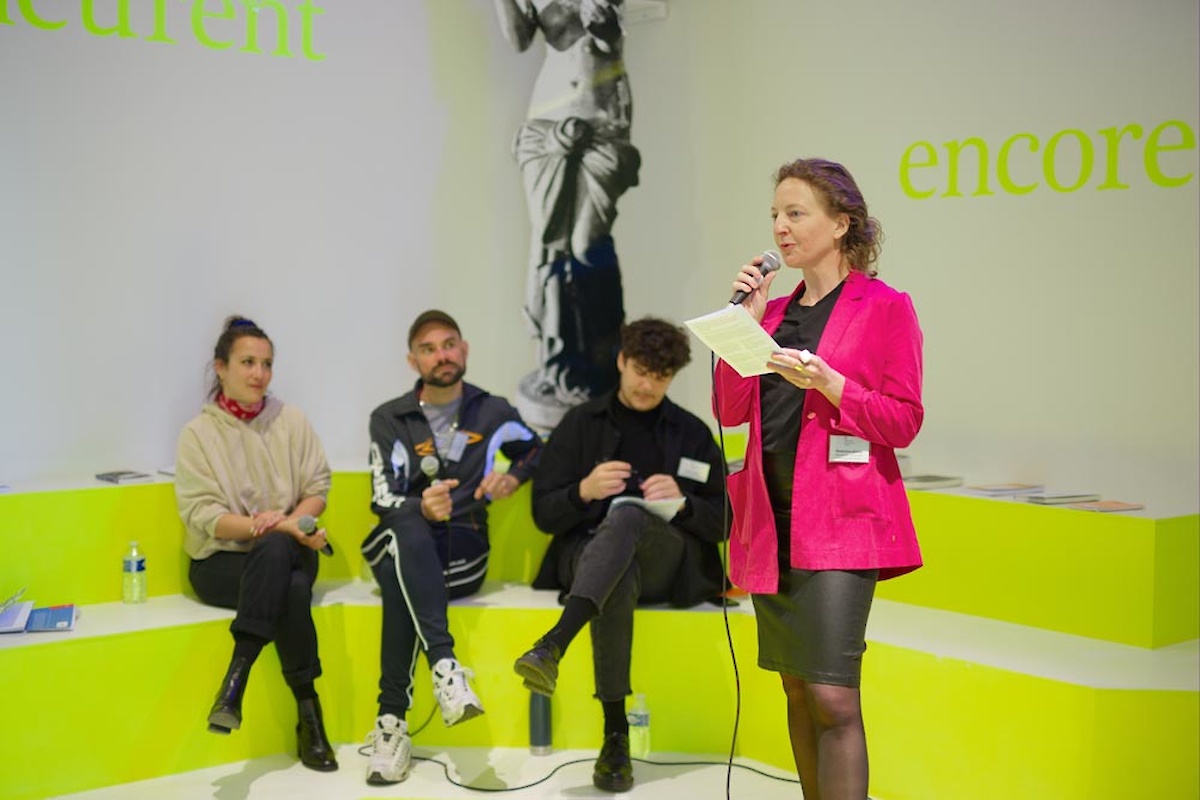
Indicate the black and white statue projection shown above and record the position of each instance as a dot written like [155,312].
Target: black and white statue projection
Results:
[576,161]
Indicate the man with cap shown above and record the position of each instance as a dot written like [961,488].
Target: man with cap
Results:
[433,472]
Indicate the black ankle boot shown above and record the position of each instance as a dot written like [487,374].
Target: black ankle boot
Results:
[539,667]
[315,750]
[614,769]
[226,713]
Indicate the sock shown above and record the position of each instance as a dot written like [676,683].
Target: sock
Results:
[304,691]
[577,612]
[394,711]
[438,653]
[614,717]
[247,645]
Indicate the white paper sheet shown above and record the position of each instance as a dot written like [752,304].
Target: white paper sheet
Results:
[736,338]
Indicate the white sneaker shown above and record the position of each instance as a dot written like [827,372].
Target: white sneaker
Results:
[453,693]
[391,753]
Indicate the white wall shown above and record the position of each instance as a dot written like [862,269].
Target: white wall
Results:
[149,189]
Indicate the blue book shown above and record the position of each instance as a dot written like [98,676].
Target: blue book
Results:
[51,618]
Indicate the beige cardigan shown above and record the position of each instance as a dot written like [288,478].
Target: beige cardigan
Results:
[226,466]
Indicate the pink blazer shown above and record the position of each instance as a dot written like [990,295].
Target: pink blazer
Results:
[844,516]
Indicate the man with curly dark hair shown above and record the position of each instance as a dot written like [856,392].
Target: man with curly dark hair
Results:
[630,487]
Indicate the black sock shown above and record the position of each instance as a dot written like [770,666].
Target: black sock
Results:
[577,612]
[304,691]
[614,717]
[247,645]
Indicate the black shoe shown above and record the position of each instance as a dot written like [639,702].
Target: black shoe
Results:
[539,667]
[226,713]
[314,748]
[614,769]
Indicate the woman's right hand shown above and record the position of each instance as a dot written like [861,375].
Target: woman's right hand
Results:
[756,285]
[313,541]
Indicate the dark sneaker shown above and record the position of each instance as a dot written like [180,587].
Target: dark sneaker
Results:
[539,667]
[614,769]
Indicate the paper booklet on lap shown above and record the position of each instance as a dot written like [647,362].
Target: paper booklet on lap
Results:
[663,509]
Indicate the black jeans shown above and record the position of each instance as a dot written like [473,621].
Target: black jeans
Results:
[632,556]
[270,587]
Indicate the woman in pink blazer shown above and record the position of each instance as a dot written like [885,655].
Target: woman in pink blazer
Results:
[820,513]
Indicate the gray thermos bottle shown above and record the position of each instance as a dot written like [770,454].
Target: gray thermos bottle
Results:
[539,724]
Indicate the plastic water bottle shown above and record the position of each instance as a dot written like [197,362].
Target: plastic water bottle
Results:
[133,575]
[539,724]
[639,727]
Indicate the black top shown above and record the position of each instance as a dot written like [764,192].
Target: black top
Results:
[782,403]
[639,443]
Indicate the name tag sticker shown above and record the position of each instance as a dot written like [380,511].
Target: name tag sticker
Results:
[694,470]
[849,450]
[457,446]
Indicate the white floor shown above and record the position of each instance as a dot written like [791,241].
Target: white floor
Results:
[499,772]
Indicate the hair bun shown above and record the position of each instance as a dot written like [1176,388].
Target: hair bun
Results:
[238,321]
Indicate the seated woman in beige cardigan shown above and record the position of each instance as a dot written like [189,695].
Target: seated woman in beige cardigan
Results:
[247,469]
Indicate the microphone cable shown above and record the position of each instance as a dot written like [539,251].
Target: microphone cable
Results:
[726,585]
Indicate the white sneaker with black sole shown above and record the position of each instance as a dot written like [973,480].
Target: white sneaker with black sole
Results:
[453,692]
[391,751]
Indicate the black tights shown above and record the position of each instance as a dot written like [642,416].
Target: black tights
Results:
[828,741]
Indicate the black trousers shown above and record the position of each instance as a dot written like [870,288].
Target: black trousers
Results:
[419,567]
[270,587]
[632,557]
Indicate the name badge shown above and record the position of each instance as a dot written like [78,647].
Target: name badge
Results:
[694,470]
[458,446]
[849,450]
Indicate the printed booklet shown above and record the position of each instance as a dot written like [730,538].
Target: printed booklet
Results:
[51,618]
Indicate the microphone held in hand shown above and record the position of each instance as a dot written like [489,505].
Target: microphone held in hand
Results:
[770,263]
[430,465]
[308,526]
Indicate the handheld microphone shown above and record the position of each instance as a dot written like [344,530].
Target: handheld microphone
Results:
[769,263]
[430,466]
[308,525]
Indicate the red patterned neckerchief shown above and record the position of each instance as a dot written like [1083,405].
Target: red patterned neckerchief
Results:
[238,410]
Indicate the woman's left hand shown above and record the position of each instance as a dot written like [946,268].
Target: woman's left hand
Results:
[808,372]
[265,521]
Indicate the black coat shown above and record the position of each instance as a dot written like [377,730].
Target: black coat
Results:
[588,435]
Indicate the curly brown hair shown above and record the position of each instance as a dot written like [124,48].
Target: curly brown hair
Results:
[840,194]
[656,344]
